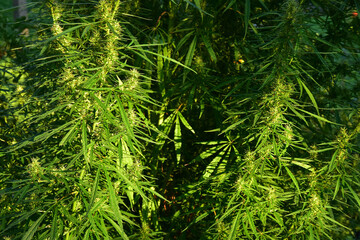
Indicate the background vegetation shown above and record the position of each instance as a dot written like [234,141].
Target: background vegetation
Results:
[180,119]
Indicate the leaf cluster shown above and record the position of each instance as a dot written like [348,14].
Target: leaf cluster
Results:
[185,120]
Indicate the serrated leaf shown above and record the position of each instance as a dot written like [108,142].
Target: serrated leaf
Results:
[209,48]
[234,227]
[198,5]
[118,228]
[134,185]
[317,116]
[23,217]
[251,221]
[50,133]
[214,163]
[55,37]
[184,39]
[103,228]
[177,139]
[86,29]
[170,59]
[30,233]
[84,140]
[247,16]
[185,122]
[336,222]
[190,55]
[338,183]
[69,135]
[105,111]
[293,178]
[114,204]
[229,5]
[53,231]
[311,96]
[70,217]
[94,189]
[207,153]
[354,194]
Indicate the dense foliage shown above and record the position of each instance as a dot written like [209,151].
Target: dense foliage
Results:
[181,119]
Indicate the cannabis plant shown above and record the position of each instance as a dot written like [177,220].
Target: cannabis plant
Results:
[186,120]
[81,150]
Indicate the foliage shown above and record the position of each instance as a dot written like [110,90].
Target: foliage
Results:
[184,120]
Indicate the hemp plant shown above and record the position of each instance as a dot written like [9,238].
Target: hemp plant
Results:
[186,120]
[82,172]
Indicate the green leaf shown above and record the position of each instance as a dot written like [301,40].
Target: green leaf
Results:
[103,228]
[54,227]
[30,233]
[311,231]
[133,184]
[214,163]
[126,160]
[209,48]
[354,194]
[66,213]
[114,205]
[336,222]
[105,111]
[229,5]
[338,183]
[39,117]
[234,227]
[84,140]
[169,59]
[94,78]
[190,55]
[70,135]
[184,39]
[191,51]
[23,216]
[317,116]
[167,124]
[94,190]
[311,96]
[48,134]
[303,165]
[86,30]
[207,153]
[117,227]
[234,125]
[57,36]
[177,140]
[247,16]
[185,122]
[251,221]
[245,228]
[125,119]
[293,178]
[333,161]
[299,115]
[198,5]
